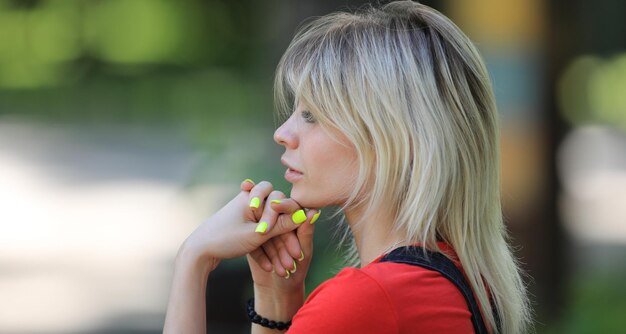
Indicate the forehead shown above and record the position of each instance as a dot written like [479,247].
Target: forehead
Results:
[300,106]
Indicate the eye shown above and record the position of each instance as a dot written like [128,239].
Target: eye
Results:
[308,116]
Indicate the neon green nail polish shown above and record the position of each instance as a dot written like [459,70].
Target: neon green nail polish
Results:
[315,216]
[301,256]
[298,217]
[261,227]
[277,201]
[255,202]
[248,180]
[294,267]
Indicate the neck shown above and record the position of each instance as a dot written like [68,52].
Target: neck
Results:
[373,235]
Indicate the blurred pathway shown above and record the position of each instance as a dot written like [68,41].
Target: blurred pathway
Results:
[90,221]
[592,167]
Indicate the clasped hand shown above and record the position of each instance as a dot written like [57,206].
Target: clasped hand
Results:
[274,231]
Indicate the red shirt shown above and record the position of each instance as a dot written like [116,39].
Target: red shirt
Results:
[385,297]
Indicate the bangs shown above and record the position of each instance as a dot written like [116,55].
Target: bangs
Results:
[310,70]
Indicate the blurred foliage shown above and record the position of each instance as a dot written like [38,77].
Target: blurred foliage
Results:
[41,42]
[198,67]
[592,91]
[597,304]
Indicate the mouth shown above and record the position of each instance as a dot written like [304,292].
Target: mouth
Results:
[289,167]
[289,170]
[291,174]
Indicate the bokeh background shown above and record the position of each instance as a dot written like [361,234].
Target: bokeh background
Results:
[123,124]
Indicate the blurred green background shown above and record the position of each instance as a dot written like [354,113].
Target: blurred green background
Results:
[124,123]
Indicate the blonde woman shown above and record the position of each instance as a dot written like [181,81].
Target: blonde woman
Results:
[390,115]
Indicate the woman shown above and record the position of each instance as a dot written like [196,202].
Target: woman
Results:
[391,116]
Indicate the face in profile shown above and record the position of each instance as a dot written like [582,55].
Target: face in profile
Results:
[321,166]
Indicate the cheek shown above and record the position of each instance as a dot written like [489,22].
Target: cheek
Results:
[343,178]
[330,179]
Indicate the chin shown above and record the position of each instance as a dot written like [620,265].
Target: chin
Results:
[300,197]
[309,199]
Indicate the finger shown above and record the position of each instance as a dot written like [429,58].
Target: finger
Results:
[285,259]
[257,197]
[290,221]
[272,254]
[289,206]
[305,232]
[292,245]
[259,256]
[285,205]
[247,185]
[269,216]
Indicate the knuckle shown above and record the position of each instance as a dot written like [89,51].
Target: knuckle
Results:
[280,222]
[277,194]
[265,184]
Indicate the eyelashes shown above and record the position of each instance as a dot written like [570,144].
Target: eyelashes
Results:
[308,116]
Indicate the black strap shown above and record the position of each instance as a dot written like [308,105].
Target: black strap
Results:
[419,256]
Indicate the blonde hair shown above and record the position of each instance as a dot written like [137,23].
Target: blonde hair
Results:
[410,91]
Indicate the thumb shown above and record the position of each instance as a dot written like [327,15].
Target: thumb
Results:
[288,222]
[300,220]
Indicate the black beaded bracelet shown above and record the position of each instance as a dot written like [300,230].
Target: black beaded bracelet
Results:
[257,319]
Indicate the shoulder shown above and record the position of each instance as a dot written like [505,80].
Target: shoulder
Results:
[384,298]
[352,301]
[405,282]
[427,301]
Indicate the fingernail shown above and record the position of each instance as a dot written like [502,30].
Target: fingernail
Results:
[298,217]
[301,256]
[288,274]
[255,202]
[294,267]
[261,227]
[277,201]
[315,216]
[248,180]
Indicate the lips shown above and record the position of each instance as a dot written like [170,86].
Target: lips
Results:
[291,174]
[290,168]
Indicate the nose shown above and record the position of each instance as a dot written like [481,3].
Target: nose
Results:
[285,135]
